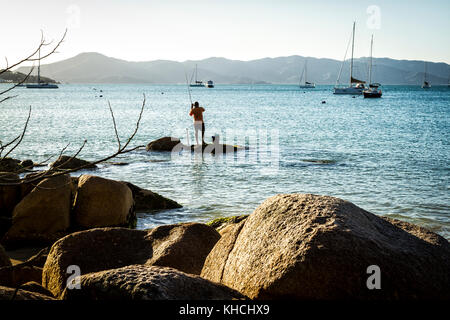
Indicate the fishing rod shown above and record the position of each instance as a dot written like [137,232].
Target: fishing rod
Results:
[190,99]
[187,84]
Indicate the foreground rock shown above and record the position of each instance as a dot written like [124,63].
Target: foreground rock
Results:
[44,214]
[163,144]
[140,282]
[317,247]
[66,162]
[4,259]
[182,246]
[10,165]
[146,200]
[9,294]
[101,202]
[35,287]
[9,195]
[15,276]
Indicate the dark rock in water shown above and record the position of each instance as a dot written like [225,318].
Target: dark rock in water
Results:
[140,282]
[215,148]
[146,200]
[180,246]
[163,144]
[9,195]
[65,162]
[11,294]
[301,246]
[28,164]
[4,259]
[175,145]
[10,165]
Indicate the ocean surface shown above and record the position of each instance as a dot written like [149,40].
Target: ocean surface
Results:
[390,156]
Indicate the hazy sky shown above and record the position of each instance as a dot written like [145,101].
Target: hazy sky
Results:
[139,30]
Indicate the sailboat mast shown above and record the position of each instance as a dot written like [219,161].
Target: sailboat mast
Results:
[425,73]
[370,65]
[305,71]
[351,61]
[195,73]
[39,68]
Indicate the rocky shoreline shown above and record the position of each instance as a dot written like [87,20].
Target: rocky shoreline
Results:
[293,246]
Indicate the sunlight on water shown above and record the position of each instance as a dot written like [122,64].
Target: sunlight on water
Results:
[390,156]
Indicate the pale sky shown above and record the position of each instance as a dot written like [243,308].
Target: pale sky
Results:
[143,30]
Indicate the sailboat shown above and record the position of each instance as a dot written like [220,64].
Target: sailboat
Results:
[39,84]
[306,84]
[197,83]
[372,91]
[426,84]
[356,86]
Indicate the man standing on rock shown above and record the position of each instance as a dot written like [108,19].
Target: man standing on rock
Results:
[197,112]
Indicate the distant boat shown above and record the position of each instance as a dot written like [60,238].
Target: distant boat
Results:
[306,84]
[372,91]
[39,84]
[426,84]
[352,89]
[209,84]
[197,83]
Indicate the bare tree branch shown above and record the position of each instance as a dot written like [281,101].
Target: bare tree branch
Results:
[30,58]
[57,171]
[21,136]
[114,123]
[17,84]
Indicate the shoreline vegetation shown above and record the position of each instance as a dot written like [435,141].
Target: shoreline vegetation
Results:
[293,246]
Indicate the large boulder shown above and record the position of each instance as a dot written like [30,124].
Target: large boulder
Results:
[66,162]
[9,294]
[101,202]
[44,214]
[140,282]
[9,195]
[317,247]
[146,200]
[181,246]
[4,259]
[163,144]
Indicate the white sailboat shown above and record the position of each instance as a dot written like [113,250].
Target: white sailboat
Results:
[426,84]
[39,84]
[306,84]
[197,83]
[356,86]
[372,91]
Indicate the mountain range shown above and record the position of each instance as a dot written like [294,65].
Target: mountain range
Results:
[92,67]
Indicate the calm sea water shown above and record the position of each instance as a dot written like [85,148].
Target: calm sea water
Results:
[390,156]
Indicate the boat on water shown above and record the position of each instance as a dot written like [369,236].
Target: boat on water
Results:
[372,91]
[356,87]
[39,84]
[426,84]
[197,83]
[209,84]
[306,84]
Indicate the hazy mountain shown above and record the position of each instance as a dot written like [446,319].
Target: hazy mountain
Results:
[96,68]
